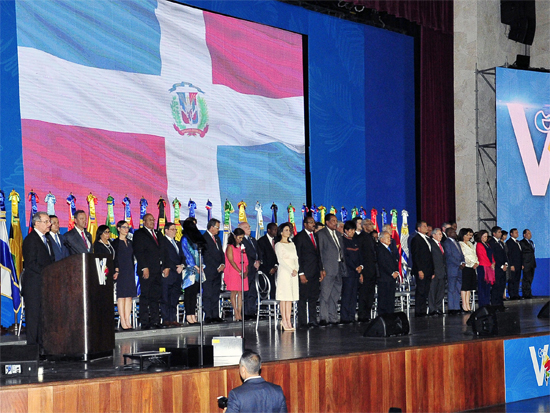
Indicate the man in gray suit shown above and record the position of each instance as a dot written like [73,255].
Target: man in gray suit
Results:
[331,248]
[437,286]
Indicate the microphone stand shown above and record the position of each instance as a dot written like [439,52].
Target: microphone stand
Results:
[242,292]
[201,334]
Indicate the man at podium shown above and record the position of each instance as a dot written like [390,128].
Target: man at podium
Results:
[37,254]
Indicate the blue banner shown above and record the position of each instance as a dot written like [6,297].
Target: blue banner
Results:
[526,368]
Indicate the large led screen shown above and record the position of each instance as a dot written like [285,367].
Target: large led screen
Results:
[154,98]
[523,161]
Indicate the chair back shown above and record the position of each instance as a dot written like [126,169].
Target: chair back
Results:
[263,286]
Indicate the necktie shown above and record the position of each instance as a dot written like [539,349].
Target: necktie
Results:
[441,248]
[154,236]
[84,239]
[175,245]
[273,242]
[46,243]
[337,245]
[214,239]
[313,240]
[57,241]
[519,246]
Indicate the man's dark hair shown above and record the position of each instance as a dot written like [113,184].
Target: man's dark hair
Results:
[350,225]
[329,216]
[357,218]
[419,224]
[212,223]
[251,361]
[513,229]
[53,216]
[77,213]
[168,225]
[525,231]
[495,229]
[449,229]
[271,226]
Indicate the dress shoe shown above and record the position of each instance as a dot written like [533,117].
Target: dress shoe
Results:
[313,325]
[453,312]
[158,325]
[501,308]
[439,312]
[166,324]
[219,320]
[208,320]
[514,298]
[420,315]
[433,314]
[528,297]
[176,324]
[346,322]
[323,323]
[363,319]
[248,317]
[146,327]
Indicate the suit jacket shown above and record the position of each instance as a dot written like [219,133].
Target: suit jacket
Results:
[528,255]
[36,257]
[439,260]
[514,254]
[367,246]
[147,252]
[388,263]
[172,258]
[499,254]
[75,243]
[213,256]
[421,256]
[252,252]
[256,395]
[454,256]
[267,255]
[60,250]
[309,259]
[329,251]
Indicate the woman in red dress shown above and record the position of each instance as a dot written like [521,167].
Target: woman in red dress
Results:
[232,272]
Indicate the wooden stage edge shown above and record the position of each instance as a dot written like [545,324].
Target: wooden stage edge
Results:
[441,378]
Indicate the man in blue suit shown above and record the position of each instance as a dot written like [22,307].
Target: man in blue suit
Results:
[58,245]
[173,262]
[255,394]
[455,263]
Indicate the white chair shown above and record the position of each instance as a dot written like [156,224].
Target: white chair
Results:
[22,317]
[404,301]
[266,306]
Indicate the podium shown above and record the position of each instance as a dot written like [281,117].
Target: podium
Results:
[77,311]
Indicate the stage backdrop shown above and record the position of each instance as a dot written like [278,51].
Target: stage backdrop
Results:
[523,161]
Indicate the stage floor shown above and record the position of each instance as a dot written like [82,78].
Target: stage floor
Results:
[276,345]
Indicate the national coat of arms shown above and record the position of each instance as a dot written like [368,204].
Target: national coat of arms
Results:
[189,109]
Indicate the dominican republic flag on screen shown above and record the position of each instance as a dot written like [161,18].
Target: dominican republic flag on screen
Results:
[151,98]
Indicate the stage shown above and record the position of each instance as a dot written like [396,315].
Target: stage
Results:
[329,368]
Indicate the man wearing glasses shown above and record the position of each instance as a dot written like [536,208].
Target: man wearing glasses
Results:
[37,254]
[214,261]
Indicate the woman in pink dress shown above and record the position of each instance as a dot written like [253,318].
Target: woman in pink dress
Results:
[232,272]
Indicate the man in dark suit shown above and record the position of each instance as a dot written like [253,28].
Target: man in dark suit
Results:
[173,263]
[37,255]
[333,268]
[437,286]
[422,267]
[252,252]
[515,262]
[148,252]
[255,394]
[309,271]
[57,241]
[268,258]
[388,271]
[78,240]
[501,265]
[214,262]
[368,258]
[529,263]
[455,263]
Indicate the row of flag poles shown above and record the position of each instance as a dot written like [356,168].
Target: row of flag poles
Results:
[11,259]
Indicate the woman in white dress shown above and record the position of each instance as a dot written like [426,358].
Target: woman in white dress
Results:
[287,274]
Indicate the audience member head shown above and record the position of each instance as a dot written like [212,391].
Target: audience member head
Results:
[374,234]
[191,219]
[170,230]
[444,227]
[80,219]
[358,223]
[430,231]
[103,234]
[437,234]
[319,226]
[387,228]
[41,222]
[465,234]
[340,227]
[123,228]
[385,238]
[149,221]
[309,224]
[213,226]
[250,364]
[245,227]
[368,225]
[450,232]
[527,234]
[454,225]
[272,229]
[331,221]
[496,231]
[422,227]
[284,231]
[55,224]
[350,228]
[503,235]
[236,237]
[481,236]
